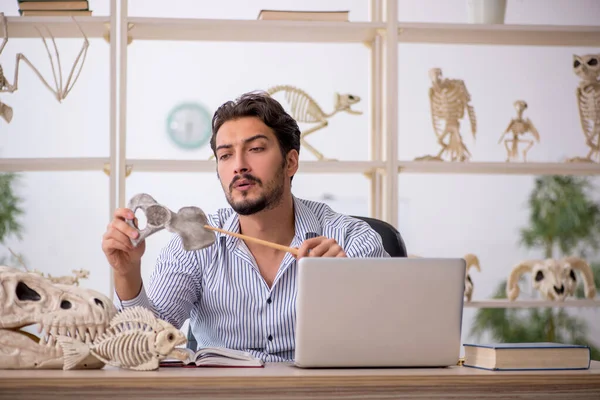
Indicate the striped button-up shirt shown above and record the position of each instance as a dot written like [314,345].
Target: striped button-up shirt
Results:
[220,289]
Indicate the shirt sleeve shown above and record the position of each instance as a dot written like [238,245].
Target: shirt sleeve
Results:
[174,284]
[363,241]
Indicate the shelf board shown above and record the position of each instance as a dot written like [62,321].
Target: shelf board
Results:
[517,35]
[252,30]
[148,165]
[52,164]
[61,27]
[504,303]
[498,168]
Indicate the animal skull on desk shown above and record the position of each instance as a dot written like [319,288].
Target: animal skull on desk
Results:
[554,279]
[59,310]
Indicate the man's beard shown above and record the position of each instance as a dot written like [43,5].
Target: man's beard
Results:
[273,193]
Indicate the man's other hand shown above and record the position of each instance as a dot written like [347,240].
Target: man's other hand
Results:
[320,247]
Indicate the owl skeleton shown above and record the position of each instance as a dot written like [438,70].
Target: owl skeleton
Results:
[587,67]
[449,98]
[304,109]
[519,127]
[59,90]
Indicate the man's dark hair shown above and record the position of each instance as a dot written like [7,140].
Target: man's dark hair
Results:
[270,112]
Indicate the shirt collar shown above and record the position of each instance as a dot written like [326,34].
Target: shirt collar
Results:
[306,226]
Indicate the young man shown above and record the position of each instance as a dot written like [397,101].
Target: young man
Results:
[237,294]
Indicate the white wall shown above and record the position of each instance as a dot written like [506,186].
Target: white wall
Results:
[446,215]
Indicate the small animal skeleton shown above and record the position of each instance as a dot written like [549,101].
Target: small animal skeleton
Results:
[587,67]
[135,340]
[66,280]
[519,127]
[188,222]
[448,100]
[472,261]
[306,110]
[63,280]
[60,92]
[554,279]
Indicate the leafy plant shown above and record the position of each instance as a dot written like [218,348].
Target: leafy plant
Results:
[563,219]
[10,209]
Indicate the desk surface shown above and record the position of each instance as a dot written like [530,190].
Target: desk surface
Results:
[283,380]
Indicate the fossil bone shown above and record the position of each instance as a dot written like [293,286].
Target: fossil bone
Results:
[59,90]
[448,99]
[554,279]
[135,340]
[472,261]
[28,299]
[304,109]
[189,222]
[587,67]
[519,127]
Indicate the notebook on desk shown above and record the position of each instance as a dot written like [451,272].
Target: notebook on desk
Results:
[379,312]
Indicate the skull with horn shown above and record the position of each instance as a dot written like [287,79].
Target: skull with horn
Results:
[472,261]
[554,279]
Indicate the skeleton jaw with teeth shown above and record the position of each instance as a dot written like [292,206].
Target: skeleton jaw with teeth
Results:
[29,299]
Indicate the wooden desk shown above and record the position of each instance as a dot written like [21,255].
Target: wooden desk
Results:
[284,381]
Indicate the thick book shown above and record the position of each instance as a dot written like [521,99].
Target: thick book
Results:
[527,356]
[55,13]
[72,5]
[213,357]
[281,15]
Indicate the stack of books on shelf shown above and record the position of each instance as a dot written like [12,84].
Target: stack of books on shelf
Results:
[54,8]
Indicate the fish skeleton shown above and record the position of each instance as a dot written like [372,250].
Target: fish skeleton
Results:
[136,340]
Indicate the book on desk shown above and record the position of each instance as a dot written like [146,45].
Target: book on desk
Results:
[213,357]
[527,356]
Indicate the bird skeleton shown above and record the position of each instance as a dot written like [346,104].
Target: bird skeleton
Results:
[449,98]
[304,109]
[519,127]
[60,89]
[554,279]
[587,67]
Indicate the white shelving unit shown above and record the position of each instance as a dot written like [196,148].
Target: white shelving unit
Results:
[382,33]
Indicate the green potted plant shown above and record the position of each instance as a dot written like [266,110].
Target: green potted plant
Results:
[10,210]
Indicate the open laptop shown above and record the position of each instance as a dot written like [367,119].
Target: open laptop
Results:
[379,312]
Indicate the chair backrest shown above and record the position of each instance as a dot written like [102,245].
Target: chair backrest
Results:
[392,240]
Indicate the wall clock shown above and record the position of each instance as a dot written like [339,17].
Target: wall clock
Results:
[189,125]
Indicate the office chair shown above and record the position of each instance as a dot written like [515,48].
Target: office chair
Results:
[392,243]
[392,240]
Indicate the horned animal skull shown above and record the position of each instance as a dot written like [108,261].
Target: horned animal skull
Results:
[188,222]
[27,299]
[472,261]
[554,279]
